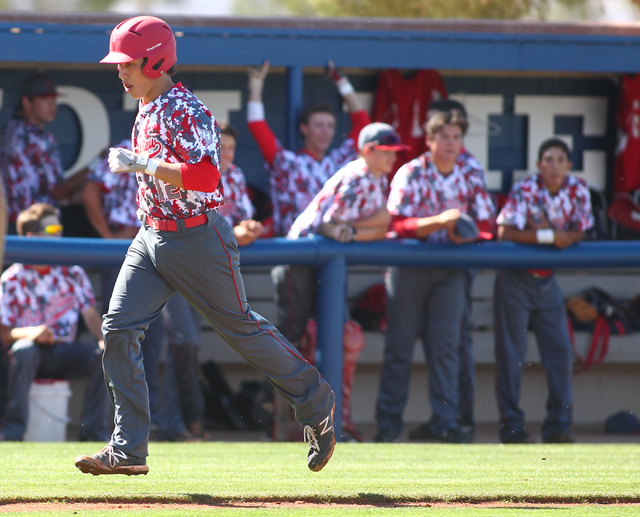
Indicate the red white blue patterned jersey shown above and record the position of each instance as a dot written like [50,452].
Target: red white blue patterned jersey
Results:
[352,193]
[296,177]
[237,205]
[176,128]
[468,163]
[30,165]
[119,198]
[55,297]
[419,190]
[569,209]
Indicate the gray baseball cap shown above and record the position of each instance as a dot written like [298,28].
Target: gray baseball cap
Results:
[381,136]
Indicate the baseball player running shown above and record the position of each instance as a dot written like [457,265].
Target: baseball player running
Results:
[184,246]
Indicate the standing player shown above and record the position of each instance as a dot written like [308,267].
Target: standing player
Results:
[427,197]
[183,400]
[352,206]
[185,245]
[295,178]
[549,208]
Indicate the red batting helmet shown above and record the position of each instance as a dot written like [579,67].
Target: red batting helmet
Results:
[143,36]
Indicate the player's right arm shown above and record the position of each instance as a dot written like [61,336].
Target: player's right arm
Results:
[359,116]
[264,137]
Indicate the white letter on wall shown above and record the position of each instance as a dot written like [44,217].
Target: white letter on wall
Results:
[94,124]
[542,110]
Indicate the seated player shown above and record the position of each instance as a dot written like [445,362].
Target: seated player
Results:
[40,308]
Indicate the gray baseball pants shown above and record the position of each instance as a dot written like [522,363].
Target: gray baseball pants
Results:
[203,265]
[522,301]
[428,303]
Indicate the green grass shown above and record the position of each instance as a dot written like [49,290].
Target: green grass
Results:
[217,472]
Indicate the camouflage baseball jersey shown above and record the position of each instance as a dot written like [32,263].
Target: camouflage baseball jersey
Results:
[296,177]
[177,128]
[30,165]
[468,163]
[237,205]
[56,297]
[352,193]
[119,200]
[419,190]
[569,209]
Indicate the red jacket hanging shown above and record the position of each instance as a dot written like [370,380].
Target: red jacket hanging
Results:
[403,103]
[626,178]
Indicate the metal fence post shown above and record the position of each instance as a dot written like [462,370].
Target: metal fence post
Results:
[294,104]
[332,278]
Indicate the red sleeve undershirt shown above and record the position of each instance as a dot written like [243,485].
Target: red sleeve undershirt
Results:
[268,143]
[202,176]
[407,228]
[359,119]
[266,140]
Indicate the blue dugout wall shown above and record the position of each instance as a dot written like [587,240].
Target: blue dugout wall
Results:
[512,62]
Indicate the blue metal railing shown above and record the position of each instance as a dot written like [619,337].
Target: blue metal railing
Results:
[332,260]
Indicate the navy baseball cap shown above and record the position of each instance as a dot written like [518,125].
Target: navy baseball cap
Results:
[381,136]
[38,85]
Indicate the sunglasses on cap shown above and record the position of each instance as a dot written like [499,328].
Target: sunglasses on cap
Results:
[52,229]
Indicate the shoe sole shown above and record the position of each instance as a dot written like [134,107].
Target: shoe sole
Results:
[89,465]
[318,468]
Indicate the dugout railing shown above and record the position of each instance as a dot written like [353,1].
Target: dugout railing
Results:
[332,260]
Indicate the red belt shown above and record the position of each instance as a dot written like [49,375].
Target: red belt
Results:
[171,225]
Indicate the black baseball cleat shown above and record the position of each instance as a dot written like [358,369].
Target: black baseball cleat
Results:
[322,441]
[112,461]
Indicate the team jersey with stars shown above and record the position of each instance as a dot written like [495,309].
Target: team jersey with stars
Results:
[176,128]
[30,164]
[237,205]
[55,297]
[419,190]
[119,200]
[569,209]
[352,193]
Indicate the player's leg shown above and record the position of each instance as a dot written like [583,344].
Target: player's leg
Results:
[295,298]
[549,323]
[466,416]
[182,398]
[138,297]
[24,362]
[441,340]
[406,291]
[512,306]
[203,265]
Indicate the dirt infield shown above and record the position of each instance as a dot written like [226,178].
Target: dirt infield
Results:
[62,506]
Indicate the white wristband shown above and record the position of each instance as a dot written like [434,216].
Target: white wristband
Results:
[255,111]
[344,87]
[545,236]
[152,166]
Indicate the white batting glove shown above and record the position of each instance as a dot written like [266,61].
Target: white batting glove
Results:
[123,160]
[340,232]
